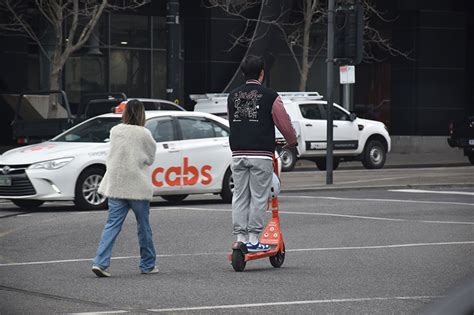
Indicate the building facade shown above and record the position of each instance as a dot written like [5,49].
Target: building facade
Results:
[128,53]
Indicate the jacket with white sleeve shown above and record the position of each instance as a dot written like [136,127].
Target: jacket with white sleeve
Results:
[132,151]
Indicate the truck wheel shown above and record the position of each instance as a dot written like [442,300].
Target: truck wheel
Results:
[174,198]
[28,204]
[87,195]
[321,163]
[227,187]
[288,159]
[374,155]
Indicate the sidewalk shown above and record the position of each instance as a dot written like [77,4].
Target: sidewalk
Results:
[402,170]
[452,157]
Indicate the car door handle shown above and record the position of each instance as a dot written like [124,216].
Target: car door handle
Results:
[173,150]
[309,125]
[225,145]
[334,126]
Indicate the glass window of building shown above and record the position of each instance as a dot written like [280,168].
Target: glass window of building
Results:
[130,31]
[130,72]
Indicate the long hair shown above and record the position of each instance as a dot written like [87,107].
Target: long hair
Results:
[134,113]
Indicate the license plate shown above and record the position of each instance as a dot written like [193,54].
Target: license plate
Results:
[5,181]
[471,141]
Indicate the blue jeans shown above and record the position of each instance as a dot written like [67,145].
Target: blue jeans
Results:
[118,210]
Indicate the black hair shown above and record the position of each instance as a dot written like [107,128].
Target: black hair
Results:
[252,66]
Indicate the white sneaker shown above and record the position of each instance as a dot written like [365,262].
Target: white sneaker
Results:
[99,272]
[154,270]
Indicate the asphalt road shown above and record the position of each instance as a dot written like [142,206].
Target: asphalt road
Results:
[372,251]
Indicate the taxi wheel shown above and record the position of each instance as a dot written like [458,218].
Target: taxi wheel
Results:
[29,204]
[374,155]
[87,185]
[321,163]
[227,187]
[288,159]
[174,198]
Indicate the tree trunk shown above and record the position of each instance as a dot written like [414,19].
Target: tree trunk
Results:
[308,16]
[54,84]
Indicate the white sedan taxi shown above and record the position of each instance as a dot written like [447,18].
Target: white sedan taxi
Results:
[192,157]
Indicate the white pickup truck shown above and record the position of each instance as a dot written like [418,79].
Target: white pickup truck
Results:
[354,138]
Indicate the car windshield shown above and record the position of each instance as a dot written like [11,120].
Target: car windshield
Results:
[95,130]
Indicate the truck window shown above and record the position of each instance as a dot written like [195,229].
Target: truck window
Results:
[311,111]
[337,113]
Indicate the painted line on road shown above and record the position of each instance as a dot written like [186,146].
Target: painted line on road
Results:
[103,312]
[333,215]
[374,218]
[421,191]
[377,246]
[288,303]
[225,253]
[374,180]
[381,200]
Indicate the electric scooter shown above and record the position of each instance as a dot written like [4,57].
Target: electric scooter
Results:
[271,235]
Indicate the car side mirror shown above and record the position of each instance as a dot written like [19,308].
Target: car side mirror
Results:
[352,116]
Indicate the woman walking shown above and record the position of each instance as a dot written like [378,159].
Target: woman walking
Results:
[127,185]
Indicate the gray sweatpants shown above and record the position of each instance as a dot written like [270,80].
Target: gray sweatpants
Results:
[252,182]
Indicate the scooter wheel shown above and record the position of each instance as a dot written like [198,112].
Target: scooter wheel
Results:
[238,260]
[277,260]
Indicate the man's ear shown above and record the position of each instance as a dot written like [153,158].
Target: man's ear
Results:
[261,77]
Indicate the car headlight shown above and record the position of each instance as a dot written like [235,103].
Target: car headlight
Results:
[52,164]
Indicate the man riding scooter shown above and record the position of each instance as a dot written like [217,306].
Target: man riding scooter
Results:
[253,112]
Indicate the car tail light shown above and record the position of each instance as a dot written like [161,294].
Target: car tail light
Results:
[22,140]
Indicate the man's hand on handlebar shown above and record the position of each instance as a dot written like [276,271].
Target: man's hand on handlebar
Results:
[290,145]
[284,145]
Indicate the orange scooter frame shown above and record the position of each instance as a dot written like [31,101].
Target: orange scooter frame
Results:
[271,235]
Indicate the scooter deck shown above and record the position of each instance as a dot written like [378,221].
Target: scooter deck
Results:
[257,255]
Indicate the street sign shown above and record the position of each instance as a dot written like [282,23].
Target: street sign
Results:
[347,74]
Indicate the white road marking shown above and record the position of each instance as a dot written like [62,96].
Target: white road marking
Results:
[378,246]
[421,191]
[225,253]
[374,180]
[373,218]
[103,312]
[381,200]
[331,215]
[287,303]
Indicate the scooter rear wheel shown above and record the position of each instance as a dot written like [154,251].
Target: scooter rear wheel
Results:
[278,259]
[238,260]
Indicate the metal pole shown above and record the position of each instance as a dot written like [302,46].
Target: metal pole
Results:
[346,90]
[172,69]
[330,83]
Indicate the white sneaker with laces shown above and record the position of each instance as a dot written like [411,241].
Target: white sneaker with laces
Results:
[154,270]
[99,272]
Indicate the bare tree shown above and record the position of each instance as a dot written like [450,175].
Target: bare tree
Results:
[303,29]
[71,21]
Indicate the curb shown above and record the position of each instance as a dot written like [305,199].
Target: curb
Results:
[307,168]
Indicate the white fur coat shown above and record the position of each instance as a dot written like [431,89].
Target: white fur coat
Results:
[132,151]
